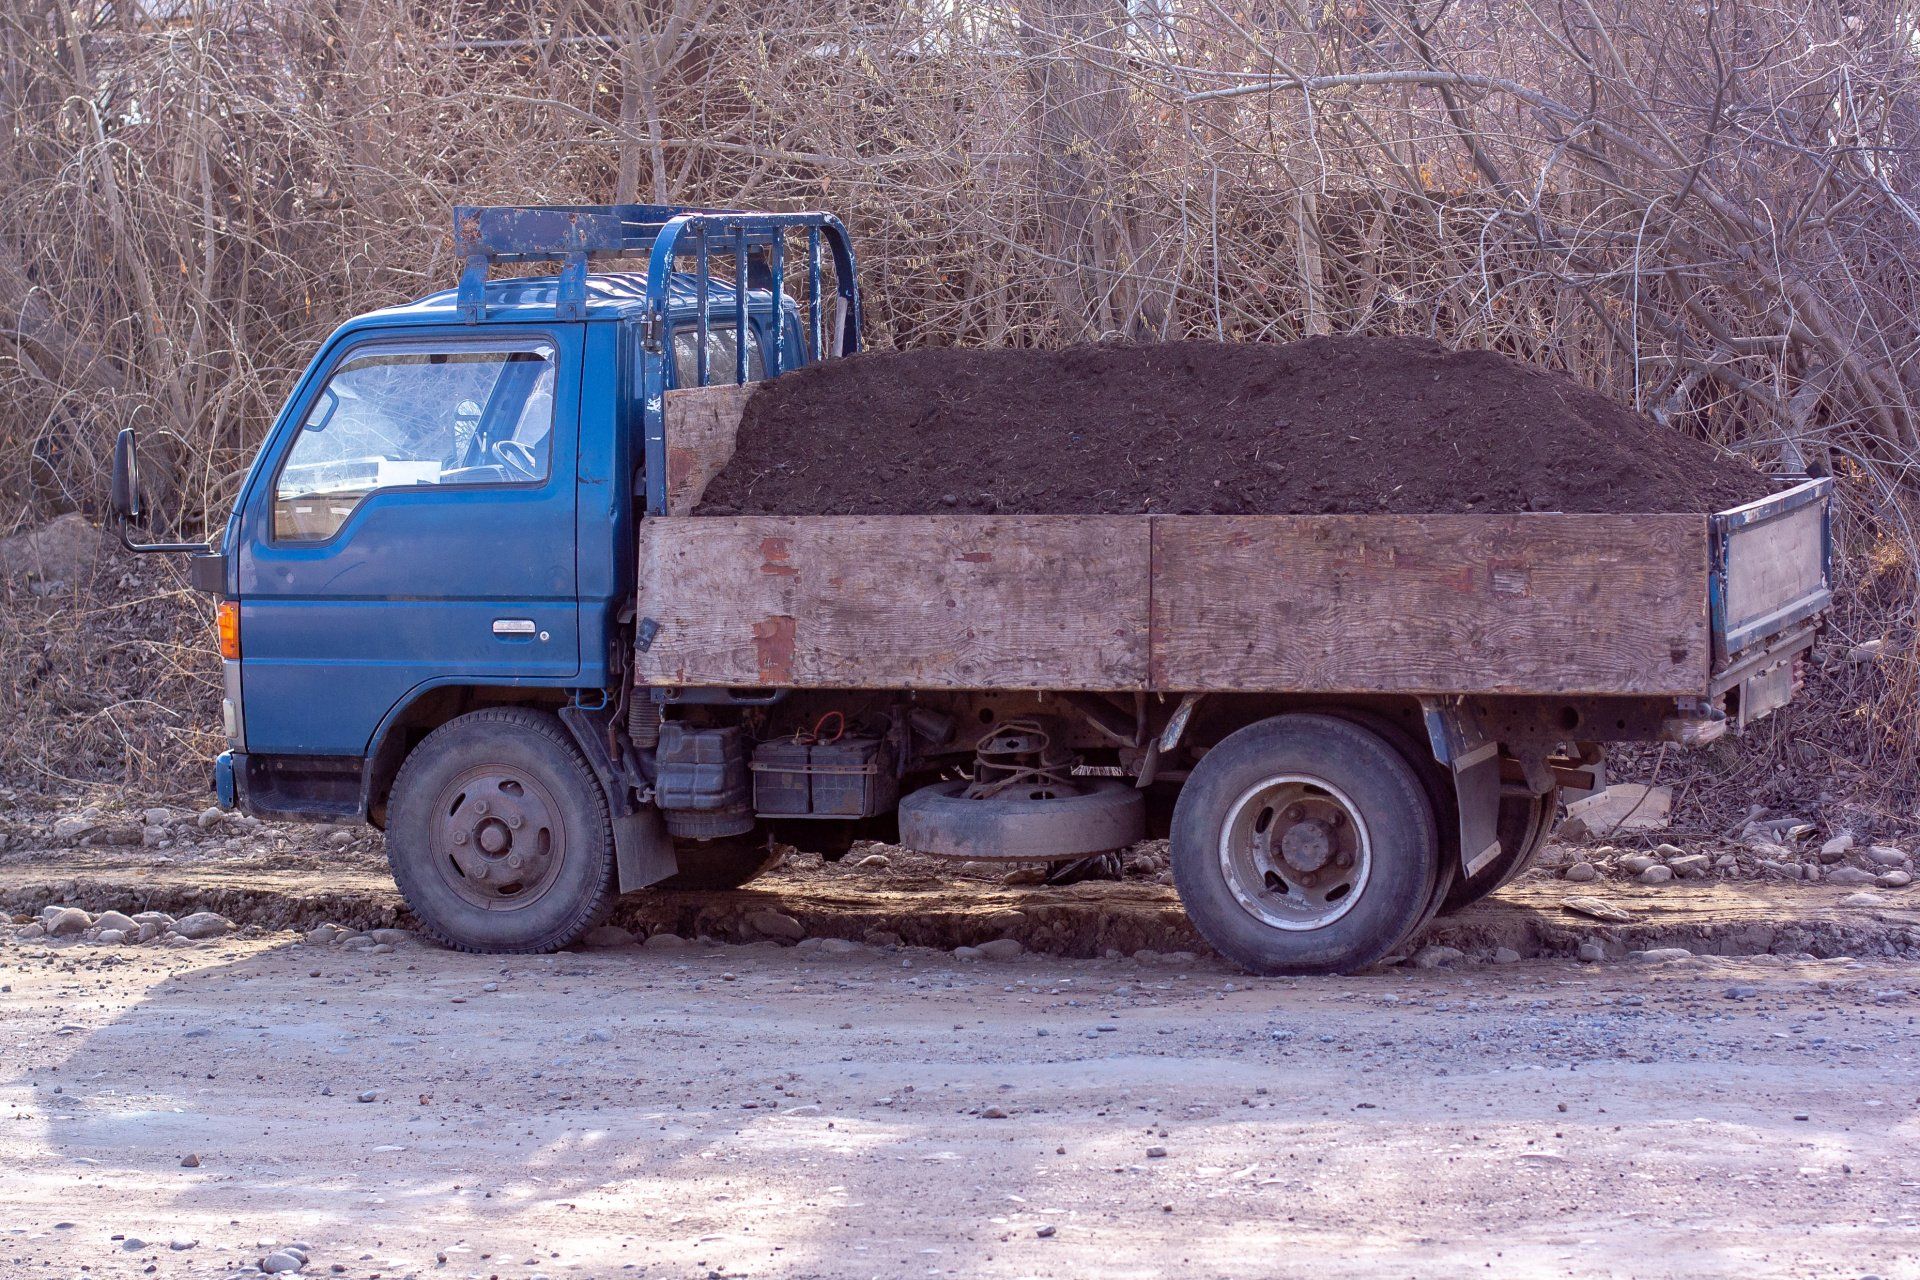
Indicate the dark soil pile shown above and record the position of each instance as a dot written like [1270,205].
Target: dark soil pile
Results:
[1321,426]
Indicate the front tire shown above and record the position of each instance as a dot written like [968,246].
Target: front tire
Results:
[499,836]
[1304,844]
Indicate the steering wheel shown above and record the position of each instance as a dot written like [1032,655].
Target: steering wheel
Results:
[518,457]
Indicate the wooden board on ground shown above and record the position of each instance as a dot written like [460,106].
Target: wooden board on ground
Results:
[896,602]
[1563,604]
[702,425]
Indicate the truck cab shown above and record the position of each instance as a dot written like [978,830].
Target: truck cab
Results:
[442,516]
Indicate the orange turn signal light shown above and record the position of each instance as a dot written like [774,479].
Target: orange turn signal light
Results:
[227,618]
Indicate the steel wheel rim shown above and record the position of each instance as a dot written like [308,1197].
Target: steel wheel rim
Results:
[497,837]
[1295,852]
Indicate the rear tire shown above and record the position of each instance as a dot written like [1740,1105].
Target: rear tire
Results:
[498,834]
[1352,869]
[725,863]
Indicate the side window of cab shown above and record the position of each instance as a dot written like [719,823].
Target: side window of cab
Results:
[403,414]
[723,354]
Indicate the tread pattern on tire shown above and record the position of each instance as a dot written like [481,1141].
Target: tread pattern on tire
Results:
[590,912]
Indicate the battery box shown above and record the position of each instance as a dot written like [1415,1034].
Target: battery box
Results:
[849,777]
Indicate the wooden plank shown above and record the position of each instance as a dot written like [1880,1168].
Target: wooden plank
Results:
[1431,604]
[896,602]
[702,424]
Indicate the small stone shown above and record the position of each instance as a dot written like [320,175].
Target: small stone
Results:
[190,1161]
[392,937]
[1726,862]
[1866,652]
[180,1244]
[1850,876]
[875,861]
[606,935]
[29,932]
[1780,870]
[881,938]
[157,817]
[1894,879]
[321,934]
[1636,863]
[966,953]
[281,1260]
[1863,899]
[1582,873]
[67,922]
[1656,875]
[1435,956]
[1691,865]
[1156,1153]
[111,937]
[1592,952]
[1660,955]
[769,923]
[1000,949]
[1025,875]
[210,815]
[72,829]
[1046,1232]
[1506,955]
[993,1113]
[368,1095]
[1837,848]
[666,942]
[202,924]
[1884,855]
[1669,850]
[839,946]
[116,920]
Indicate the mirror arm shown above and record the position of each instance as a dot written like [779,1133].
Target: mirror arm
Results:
[169,548]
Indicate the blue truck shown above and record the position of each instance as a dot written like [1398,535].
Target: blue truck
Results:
[462,596]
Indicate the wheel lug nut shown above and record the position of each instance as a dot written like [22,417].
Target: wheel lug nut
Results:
[513,860]
[459,837]
[1295,813]
[515,821]
[480,807]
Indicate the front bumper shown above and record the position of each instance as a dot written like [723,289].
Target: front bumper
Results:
[223,785]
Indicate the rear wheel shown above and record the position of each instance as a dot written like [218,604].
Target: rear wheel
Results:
[725,863]
[1304,844]
[498,834]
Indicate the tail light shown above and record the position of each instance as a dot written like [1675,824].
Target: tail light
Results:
[227,618]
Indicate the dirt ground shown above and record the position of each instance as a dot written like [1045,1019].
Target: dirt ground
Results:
[1114,1104]
[767,1111]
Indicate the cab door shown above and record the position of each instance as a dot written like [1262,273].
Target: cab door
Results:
[414,527]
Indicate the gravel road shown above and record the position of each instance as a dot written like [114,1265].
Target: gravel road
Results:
[862,1111]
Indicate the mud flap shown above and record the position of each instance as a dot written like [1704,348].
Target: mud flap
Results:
[642,849]
[1473,760]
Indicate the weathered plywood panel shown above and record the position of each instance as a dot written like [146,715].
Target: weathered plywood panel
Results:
[1465,604]
[702,424]
[1774,564]
[896,602]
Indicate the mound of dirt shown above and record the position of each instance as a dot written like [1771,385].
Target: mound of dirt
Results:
[1327,425]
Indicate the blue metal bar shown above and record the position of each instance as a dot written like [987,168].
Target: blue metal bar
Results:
[813,292]
[740,331]
[704,329]
[778,261]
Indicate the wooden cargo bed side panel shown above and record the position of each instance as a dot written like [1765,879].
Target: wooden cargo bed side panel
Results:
[1419,604]
[702,424]
[924,602]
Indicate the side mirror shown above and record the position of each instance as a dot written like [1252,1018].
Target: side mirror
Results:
[124,497]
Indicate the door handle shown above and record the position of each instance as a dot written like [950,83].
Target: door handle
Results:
[513,627]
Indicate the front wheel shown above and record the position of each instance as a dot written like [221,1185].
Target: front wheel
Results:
[1304,844]
[499,836]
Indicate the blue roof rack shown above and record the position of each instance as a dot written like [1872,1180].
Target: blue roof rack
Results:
[573,235]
